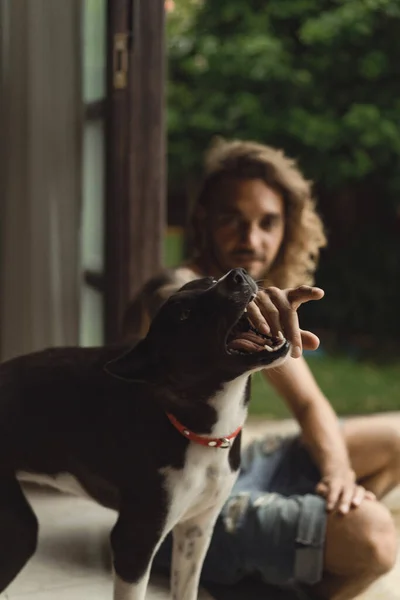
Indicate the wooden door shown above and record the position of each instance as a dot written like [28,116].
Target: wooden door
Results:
[135,213]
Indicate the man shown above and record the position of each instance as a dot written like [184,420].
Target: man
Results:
[305,510]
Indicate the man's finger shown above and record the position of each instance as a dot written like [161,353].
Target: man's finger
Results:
[369,495]
[291,328]
[257,319]
[322,489]
[346,499]
[270,312]
[332,493]
[304,293]
[359,495]
[276,300]
[309,340]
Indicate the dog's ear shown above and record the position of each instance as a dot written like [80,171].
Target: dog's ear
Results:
[133,365]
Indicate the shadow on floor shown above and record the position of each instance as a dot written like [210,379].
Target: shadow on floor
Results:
[254,589]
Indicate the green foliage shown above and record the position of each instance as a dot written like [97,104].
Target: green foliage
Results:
[320,78]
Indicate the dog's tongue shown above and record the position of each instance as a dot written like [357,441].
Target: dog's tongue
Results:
[247,341]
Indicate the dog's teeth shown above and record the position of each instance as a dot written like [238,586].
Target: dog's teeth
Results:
[280,345]
[268,348]
[245,310]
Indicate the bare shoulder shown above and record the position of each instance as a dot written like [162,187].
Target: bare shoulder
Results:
[166,283]
[142,308]
[180,275]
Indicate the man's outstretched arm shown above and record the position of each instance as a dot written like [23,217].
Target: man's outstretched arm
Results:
[276,311]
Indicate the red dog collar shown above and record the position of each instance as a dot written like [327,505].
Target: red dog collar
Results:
[223,442]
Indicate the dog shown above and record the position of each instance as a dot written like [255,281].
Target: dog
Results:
[153,432]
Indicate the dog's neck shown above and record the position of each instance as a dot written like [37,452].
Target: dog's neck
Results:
[230,405]
[218,414]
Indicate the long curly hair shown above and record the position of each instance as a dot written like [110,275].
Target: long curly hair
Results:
[298,257]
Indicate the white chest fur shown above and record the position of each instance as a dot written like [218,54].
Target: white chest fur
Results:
[207,477]
[204,479]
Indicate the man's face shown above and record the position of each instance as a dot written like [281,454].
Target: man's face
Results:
[246,224]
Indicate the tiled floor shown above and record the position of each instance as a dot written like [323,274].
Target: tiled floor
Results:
[73,559]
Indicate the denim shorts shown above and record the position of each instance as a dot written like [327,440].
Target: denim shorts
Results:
[273,524]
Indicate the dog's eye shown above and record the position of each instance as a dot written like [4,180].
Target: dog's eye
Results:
[185,314]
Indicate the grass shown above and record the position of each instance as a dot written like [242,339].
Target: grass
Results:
[352,387]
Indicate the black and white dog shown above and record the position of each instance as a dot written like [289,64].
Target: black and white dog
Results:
[159,440]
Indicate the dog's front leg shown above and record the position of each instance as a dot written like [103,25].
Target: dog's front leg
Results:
[131,579]
[135,539]
[124,590]
[191,540]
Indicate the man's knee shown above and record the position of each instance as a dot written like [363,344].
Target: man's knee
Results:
[364,541]
[379,539]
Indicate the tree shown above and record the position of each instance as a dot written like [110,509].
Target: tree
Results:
[320,78]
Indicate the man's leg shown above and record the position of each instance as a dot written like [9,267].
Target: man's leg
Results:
[286,536]
[359,548]
[374,448]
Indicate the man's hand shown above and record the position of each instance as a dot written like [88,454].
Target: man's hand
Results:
[342,492]
[274,312]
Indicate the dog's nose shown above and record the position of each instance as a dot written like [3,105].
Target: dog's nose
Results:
[239,276]
[235,278]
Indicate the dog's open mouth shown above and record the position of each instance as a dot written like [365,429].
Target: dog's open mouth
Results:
[244,338]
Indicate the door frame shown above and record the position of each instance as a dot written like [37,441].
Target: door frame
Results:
[135,212]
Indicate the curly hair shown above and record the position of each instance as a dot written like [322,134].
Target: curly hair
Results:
[304,235]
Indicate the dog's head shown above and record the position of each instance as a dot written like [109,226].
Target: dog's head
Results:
[202,331]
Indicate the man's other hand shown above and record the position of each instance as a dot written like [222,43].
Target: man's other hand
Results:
[342,492]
